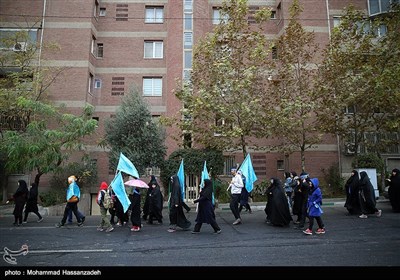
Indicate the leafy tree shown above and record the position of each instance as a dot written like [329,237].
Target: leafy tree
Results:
[35,135]
[292,86]
[361,72]
[230,65]
[40,147]
[134,133]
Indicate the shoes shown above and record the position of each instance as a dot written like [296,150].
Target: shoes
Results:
[308,231]
[320,231]
[296,222]
[194,232]
[362,216]
[218,231]
[59,225]
[250,212]
[40,220]
[110,229]
[24,222]
[119,224]
[100,228]
[83,219]
[135,228]
[238,221]
[171,230]
[379,213]
[80,224]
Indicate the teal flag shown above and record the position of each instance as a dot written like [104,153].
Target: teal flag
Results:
[181,176]
[248,172]
[118,187]
[204,175]
[126,166]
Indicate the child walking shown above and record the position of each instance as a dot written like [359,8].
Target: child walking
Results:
[314,207]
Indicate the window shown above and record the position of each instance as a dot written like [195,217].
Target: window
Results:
[90,83]
[152,86]
[97,83]
[188,21]
[188,60]
[380,6]
[96,8]
[100,50]
[102,12]
[188,6]
[280,164]
[187,140]
[336,21]
[274,52]
[229,163]
[153,49]
[17,39]
[188,40]
[273,14]
[154,15]
[93,46]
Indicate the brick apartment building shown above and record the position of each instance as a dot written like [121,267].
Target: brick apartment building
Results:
[108,45]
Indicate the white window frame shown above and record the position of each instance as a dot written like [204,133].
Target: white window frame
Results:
[97,83]
[152,14]
[152,86]
[155,46]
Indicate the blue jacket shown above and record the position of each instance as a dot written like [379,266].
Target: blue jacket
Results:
[315,199]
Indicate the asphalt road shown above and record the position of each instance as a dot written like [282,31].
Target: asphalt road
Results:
[349,242]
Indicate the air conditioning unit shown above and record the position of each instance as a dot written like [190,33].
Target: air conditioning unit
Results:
[19,47]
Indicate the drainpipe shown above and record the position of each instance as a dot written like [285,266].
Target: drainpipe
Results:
[41,33]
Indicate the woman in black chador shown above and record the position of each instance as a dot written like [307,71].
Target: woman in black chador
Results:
[176,216]
[153,204]
[394,190]
[31,204]
[367,197]
[206,212]
[277,208]
[352,197]
[20,197]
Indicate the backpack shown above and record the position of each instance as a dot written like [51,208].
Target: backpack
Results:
[107,201]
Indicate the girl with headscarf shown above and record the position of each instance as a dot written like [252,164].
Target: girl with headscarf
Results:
[206,212]
[314,209]
[176,216]
[20,197]
[352,198]
[105,222]
[32,204]
[394,190]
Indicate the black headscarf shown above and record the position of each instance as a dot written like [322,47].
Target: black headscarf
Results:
[207,189]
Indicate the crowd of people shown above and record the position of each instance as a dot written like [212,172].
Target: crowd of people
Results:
[295,199]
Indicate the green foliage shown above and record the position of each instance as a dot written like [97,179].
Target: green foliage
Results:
[134,133]
[230,67]
[85,171]
[361,72]
[193,160]
[332,184]
[53,197]
[368,161]
[220,191]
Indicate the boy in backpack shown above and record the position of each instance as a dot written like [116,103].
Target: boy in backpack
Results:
[104,206]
